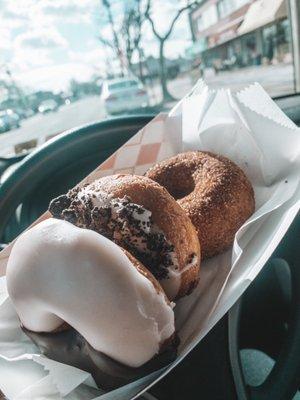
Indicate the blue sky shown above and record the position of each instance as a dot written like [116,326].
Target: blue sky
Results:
[45,43]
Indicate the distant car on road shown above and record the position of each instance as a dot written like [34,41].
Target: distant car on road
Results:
[48,106]
[9,120]
[124,94]
[24,113]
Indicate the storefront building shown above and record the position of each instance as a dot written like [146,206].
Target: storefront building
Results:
[239,33]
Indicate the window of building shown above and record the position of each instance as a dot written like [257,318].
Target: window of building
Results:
[226,7]
[208,18]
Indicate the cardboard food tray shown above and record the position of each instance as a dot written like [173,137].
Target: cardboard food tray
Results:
[252,131]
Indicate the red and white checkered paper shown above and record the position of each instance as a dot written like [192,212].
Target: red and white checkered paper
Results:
[248,128]
[147,147]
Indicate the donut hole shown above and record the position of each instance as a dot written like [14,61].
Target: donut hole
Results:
[178,180]
[181,188]
[181,193]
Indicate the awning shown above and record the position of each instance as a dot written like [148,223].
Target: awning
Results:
[263,12]
[225,32]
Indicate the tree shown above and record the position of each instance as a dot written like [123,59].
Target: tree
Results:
[115,42]
[129,42]
[132,31]
[125,37]
[162,39]
[134,18]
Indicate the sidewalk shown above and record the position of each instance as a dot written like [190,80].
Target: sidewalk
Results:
[278,80]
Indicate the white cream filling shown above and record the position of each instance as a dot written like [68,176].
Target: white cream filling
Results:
[58,272]
[98,197]
[144,219]
[172,283]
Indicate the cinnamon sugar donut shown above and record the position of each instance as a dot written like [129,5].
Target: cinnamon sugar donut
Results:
[61,275]
[214,192]
[139,215]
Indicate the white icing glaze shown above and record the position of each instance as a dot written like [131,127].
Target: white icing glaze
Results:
[58,272]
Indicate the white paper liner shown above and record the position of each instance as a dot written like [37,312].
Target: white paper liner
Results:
[250,129]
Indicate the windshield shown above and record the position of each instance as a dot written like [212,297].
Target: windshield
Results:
[58,56]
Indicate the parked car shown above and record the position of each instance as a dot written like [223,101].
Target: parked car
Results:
[24,113]
[48,106]
[9,120]
[124,94]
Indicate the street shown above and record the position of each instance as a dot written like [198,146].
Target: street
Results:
[276,79]
[42,126]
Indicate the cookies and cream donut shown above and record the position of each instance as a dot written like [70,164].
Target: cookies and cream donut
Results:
[214,192]
[139,215]
[59,275]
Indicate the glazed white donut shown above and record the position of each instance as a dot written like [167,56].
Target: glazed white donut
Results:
[60,273]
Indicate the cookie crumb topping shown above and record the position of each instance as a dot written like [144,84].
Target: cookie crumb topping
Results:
[119,219]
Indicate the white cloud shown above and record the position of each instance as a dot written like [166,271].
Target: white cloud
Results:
[71,11]
[56,77]
[66,6]
[41,38]
[36,35]
[5,42]
[92,57]
[34,48]
[25,59]
[106,32]
[9,22]
[21,11]
[29,9]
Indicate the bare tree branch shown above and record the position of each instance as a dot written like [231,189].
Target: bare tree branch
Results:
[105,42]
[125,38]
[148,17]
[127,32]
[163,38]
[133,21]
[178,14]
[107,5]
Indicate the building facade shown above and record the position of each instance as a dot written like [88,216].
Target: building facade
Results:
[238,33]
